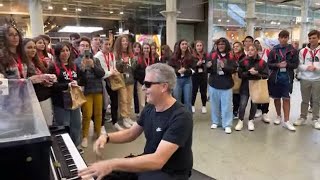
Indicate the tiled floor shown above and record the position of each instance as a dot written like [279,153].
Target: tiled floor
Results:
[269,153]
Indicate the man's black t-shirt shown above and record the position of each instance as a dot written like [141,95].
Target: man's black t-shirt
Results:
[173,125]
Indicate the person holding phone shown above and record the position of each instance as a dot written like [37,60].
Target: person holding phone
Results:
[91,74]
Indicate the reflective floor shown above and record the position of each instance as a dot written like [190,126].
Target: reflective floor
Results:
[268,153]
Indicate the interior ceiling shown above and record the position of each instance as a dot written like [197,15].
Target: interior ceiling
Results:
[97,12]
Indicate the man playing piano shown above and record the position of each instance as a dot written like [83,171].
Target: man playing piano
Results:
[167,126]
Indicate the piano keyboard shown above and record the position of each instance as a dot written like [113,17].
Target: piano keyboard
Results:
[65,158]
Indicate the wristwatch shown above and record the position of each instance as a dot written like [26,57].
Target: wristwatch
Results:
[107,138]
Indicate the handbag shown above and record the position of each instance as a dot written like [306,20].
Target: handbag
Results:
[116,82]
[73,98]
[258,90]
[236,83]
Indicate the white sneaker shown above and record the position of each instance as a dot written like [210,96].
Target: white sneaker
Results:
[265,118]
[214,126]
[193,109]
[118,127]
[84,142]
[251,125]
[103,130]
[258,113]
[228,130]
[299,122]
[277,121]
[239,126]
[310,110]
[204,110]
[126,123]
[289,126]
[316,124]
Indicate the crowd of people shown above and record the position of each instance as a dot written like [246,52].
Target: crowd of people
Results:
[90,63]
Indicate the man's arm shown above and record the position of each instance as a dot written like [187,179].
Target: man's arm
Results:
[126,136]
[148,162]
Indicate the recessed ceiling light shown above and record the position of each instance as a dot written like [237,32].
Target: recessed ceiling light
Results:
[1,5]
[64,8]
[50,7]
[219,20]
[111,12]
[121,12]
[78,9]
[80,29]
[228,20]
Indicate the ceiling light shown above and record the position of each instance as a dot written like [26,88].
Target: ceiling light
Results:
[50,7]
[64,8]
[228,20]
[121,12]
[219,20]
[80,29]
[78,9]
[318,4]
[111,12]
[279,23]
[1,5]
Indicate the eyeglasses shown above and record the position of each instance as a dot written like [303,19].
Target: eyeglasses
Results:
[148,84]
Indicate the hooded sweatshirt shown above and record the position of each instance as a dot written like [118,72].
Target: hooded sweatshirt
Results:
[308,57]
[265,49]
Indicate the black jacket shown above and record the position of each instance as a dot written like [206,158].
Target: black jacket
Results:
[140,69]
[188,64]
[224,81]
[202,66]
[292,59]
[244,65]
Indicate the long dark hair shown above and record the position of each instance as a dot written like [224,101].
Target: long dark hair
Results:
[36,39]
[177,53]
[7,58]
[35,60]
[140,47]
[118,47]
[57,51]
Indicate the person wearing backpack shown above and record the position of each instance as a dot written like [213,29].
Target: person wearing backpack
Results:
[282,61]
[309,69]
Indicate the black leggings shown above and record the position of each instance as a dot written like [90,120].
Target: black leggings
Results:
[236,103]
[263,107]
[199,81]
[114,104]
[243,104]
[135,98]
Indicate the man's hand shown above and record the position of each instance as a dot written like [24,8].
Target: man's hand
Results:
[98,169]
[99,144]
[283,64]
[311,68]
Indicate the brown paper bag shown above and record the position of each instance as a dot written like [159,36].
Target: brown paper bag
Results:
[237,83]
[77,96]
[258,90]
[116,82]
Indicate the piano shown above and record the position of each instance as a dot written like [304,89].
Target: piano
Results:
[65,159]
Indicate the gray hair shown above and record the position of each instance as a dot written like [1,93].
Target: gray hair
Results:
[164,73]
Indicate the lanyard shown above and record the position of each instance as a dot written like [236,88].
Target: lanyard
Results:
[313,54]
[69,72]
[107,60]
[283,57]
[200,57]
[20,66]
[129,59]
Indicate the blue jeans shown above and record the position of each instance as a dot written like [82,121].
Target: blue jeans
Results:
[221,106]
[184,86]
[70,118]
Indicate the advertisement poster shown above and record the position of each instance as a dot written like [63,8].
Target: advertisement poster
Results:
[141,38]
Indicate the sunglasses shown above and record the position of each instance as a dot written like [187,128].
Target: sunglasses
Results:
[148,84]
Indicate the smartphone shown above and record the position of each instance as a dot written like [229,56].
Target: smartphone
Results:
[87,53]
